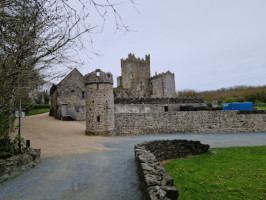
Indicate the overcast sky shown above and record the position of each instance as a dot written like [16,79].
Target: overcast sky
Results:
[208,44]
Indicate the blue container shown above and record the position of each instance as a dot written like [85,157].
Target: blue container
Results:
[238,106]
[227,106]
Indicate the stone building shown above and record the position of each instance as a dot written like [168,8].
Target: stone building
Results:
[99,103]
[135,75]
[163,85]
[136,80]
[149,94]
[68,97]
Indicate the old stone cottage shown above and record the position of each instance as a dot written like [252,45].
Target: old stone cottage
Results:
[68,97]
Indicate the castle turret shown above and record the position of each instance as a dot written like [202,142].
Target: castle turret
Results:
[99,103]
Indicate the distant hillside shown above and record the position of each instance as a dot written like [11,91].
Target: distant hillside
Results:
[233,94]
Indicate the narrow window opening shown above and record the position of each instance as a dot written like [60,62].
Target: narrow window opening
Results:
[98,74]
[165,108]
[97,85]
[83,94]
[98,119]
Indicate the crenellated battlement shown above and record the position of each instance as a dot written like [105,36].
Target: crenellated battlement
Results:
[131,58]
[161,75]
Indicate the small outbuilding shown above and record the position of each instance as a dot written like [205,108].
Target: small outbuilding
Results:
[68,98]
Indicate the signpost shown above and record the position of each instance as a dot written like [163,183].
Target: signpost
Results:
[19,114]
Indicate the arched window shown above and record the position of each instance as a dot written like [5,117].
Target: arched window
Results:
[98,119]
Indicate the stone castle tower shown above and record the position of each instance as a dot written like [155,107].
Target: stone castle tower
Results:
[99,103]
[135,75]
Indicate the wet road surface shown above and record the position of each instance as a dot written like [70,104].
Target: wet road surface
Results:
[102,175]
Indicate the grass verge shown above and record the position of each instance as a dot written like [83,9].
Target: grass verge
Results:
[261,108]
[38,111]
[230,173]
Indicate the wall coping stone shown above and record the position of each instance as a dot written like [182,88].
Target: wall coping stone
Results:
[156,183]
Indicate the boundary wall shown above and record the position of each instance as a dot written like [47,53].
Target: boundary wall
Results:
[150,100]
[156,183]
[14,165]
[190,122]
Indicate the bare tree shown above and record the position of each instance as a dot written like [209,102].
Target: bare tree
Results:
[37,36]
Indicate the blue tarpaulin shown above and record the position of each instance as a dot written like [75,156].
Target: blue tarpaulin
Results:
[238,106]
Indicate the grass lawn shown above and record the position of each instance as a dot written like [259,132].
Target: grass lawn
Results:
[38,111]
[230,173]
[261,108]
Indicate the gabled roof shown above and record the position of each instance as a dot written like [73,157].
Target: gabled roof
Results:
[67,76]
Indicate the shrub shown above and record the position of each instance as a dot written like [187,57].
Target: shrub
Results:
[6,148]
[9,147]
[35,106]
[229,100]
[38,106]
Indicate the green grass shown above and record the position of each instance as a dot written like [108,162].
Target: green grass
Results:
[230,173]
[38,111]
[261,108]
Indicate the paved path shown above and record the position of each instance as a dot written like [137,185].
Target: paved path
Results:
[109,172]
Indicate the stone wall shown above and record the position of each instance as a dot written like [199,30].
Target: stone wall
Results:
[148,100]
[189,122]
[144,108]
[11,167]
[156,183]
[153,108]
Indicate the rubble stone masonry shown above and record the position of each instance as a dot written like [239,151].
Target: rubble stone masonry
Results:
[99,103]
[189,122]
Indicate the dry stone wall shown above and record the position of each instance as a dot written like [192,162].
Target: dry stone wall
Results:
[189,122]
[156,183]
[11,167]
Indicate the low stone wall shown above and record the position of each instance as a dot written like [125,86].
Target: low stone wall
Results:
[190,122]
[12,166]
[156,183]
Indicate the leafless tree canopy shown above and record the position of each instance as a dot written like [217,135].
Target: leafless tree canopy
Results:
[36,36]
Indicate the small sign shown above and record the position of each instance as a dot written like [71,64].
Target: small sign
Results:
[21,115]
